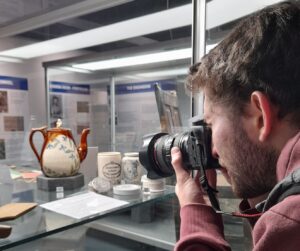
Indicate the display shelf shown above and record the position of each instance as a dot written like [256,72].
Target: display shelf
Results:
[160,233]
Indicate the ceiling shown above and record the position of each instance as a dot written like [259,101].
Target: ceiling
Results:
[15,12]
[18,10]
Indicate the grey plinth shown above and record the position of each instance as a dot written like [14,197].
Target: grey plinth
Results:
[68,183]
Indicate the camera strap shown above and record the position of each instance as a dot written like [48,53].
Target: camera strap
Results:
[290,185]
[211,193]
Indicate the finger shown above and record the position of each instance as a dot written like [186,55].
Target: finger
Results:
[177,163]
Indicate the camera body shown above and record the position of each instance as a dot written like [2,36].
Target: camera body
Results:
[194,144]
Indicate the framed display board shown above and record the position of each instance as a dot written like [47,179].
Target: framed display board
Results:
[168,110]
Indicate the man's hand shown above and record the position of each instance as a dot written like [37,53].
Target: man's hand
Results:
[188,189]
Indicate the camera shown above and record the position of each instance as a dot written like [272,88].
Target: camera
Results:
[194,144]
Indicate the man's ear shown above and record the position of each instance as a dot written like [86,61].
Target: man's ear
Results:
[263,114]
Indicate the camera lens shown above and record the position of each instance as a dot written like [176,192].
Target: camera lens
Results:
[195,147]
[154,156]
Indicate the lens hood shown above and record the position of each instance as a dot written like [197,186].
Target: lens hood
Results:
[147,155]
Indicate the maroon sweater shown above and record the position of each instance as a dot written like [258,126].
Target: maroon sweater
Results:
[277,229]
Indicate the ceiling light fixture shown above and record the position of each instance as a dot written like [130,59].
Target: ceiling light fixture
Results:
[10,59]
[72,69]
[137,60]
[165,73]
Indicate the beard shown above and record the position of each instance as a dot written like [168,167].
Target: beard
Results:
[251,166]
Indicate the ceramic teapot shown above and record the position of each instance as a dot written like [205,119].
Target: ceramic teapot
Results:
[59,155]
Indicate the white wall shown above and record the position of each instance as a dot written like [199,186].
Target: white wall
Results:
[34,72]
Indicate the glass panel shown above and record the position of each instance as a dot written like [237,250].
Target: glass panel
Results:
[81,102]
[24,104]
[128,91]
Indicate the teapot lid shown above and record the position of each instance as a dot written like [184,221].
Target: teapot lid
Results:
[59,126]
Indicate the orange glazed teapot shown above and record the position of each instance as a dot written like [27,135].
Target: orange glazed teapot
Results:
[59,155]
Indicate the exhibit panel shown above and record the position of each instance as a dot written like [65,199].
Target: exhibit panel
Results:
[14,115]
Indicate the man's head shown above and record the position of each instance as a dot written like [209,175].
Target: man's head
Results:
[251,82]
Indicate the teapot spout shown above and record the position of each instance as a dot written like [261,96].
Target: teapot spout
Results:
[82,148]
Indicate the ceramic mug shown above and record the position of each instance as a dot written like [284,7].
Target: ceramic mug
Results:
[109,166]
[131,168]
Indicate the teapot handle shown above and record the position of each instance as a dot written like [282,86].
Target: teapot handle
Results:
[33,131]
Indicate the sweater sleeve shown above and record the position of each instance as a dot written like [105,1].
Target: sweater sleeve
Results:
[201,229]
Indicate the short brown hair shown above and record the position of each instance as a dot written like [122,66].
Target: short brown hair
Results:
[262,53]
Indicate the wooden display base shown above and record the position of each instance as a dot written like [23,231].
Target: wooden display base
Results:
[68,183]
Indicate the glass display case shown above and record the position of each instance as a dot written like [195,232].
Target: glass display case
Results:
[116,67]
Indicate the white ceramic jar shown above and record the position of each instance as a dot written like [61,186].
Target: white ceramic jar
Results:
[109,166]
[131,168]
[153,186]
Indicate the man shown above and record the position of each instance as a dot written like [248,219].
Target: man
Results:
[251,85]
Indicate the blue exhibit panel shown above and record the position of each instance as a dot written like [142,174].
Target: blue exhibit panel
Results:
[166,85]
[13,83]
[62,87]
